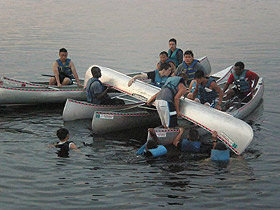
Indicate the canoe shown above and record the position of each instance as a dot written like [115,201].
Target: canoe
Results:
[234,132]
[75,110]
[107,122]
[11,82]
[39,95]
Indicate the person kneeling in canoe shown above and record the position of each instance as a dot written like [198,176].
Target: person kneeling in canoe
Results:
[64,70]
[64,145]
[97,93]
[158,77]
[207,91]
[243,80]
[167,100]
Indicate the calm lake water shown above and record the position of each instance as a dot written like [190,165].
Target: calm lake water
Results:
[128,35]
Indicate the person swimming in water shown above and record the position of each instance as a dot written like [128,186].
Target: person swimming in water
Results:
[64,145]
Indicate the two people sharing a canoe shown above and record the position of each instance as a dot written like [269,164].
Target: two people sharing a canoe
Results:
[64,70]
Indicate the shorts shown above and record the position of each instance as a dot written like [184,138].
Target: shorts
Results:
[63,76]
[243,96]
[167,113]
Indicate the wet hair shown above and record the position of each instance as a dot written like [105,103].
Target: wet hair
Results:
[94,70]
[193,135]
[220,146]
[164,53]
[239,64]
[164,66]
[173,40]
[151,144]
[62,50]
[199,74]
[62,133]
[188,52]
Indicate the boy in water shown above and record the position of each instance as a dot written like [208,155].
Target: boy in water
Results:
[64,144]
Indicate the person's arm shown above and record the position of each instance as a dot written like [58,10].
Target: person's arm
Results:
[256,79]
[56,74]
[152,99]
[215,87]
[102,94]
[226,87]
[177,139]
[214,138]
[176,71]
[73,146]
[142,76]
[195,90]
[180,56]
[181,91]
[73,69]
[173,67]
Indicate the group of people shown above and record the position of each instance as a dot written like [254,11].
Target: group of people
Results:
[177,74]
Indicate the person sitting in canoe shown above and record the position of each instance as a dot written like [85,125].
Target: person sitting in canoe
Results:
[97,93]
[174,53]
[163,58]
[167,100]
[64,145]
[207,91]
[189,66]
[64,70]
[158,77]
[243,80]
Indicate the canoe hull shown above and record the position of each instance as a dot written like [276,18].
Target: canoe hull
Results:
[38,95]
[106,122]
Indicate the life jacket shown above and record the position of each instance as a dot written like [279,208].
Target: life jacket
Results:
[190,146]
[220,155]
[64,149]
[173,56]
[172,84]
[241,83]
[159,81]
[90,95]
[156,152]
[189,70]
[205,96]
[65,69]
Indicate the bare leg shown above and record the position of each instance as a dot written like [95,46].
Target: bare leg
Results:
[52,81]
[66,81]
[154,135]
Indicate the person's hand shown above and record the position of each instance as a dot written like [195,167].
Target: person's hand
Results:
[214,135]
[130,82]
[80,85]
[218,107]
[253,91]
[59,85]
[179,114]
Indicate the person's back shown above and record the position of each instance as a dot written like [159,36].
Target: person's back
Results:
[64,145]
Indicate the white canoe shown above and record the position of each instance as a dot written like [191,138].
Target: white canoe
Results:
[11,82]
[232,131]
[75,110]
[106,122]
[39,95]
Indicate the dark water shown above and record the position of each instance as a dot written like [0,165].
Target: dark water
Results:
[127,36]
